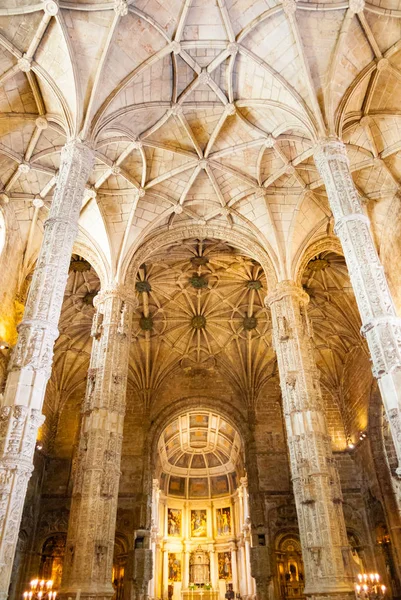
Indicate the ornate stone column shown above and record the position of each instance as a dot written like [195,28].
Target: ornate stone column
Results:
[243,582]
[30,365]
[185,575]
[380,324]
[91,530]
[165,572]
[234,566]
[317,490]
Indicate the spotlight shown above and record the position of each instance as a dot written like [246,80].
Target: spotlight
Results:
[351,445]
[39,446]
[4,345]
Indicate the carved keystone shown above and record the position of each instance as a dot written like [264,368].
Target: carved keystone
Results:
[289,7]
[24,168]
[24,64]
[175,47]
[41,123]
[356,6]
[50,7]
[121,8]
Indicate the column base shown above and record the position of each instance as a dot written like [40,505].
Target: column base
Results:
[331,596]
[319,593]
[87,592]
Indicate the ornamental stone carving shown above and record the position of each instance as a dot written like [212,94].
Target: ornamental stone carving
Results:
[30,364]
[380,324]
[92,524]
[315,478]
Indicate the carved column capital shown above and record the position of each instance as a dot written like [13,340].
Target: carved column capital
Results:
[331,148]
[286,288]
[117,290]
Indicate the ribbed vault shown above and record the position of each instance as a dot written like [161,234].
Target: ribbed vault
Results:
[201,112]
[202,307]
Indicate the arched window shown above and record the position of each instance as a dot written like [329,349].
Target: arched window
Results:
[2,231]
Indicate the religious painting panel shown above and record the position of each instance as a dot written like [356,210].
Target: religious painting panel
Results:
[176,486]
[198,523]
[225,569]
[223,521]
[219,485]
[174,567]
[198,487]
[174,521]
[199,420]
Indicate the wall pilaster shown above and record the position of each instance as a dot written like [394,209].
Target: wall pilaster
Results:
[380,324]
[91,530]
[30,365]
[317,490]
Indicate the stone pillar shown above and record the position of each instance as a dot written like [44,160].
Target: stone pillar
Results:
[30,365]
[317,489]
[165,573]
[185,575]
[234,567]
[380,324]
[244,485]
[154,534]
[214,568]
[247,550]
[91,530]
[244,579]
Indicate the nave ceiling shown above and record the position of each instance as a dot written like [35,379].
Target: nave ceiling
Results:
[201,113]
[201,314]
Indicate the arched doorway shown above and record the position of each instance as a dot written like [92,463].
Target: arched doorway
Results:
[290,569]
[51,562]
[200,514]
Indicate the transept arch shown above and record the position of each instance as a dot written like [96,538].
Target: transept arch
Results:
[240,239]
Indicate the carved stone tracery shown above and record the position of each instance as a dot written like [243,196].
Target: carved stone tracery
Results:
[380,324]
[315,478]
[92,524]
[30,365]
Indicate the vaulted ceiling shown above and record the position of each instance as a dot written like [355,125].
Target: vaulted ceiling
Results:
[200,112]
[203,113]
[202,307]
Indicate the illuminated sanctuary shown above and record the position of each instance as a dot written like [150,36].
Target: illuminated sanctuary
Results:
[200,300]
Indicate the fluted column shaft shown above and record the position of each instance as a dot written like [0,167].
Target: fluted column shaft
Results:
[317,490]
[91,530]
[30,366]
[380,324]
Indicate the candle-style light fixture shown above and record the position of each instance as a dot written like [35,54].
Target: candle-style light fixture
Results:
[369,587]
[40,590]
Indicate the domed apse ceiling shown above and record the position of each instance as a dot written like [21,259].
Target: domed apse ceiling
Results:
[200,456]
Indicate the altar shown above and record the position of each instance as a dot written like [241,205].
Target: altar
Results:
[199,594]
[199,568]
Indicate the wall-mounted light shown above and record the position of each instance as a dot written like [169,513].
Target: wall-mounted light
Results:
[350,443]
[362,435]
[39,446]
[4,345]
